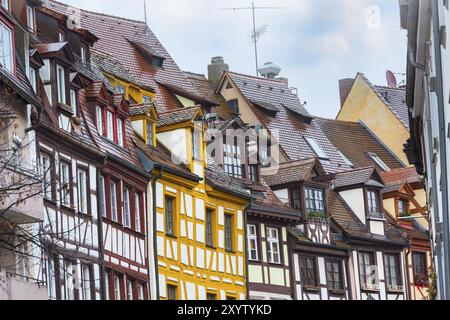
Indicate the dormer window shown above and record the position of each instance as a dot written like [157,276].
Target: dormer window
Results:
[316,148]
[5,4]
[379,162]
[6,48]
[196,145]
[33,79]
[61,36]
[120,89]
[253,173]
[74,100]
[84,54]
[100,122]
[294,199]
[120,130]
[373,203]
[315,204]
[146,99]
[61,82]
[403,208]
[150,134]
[110,125]
[30,18]
[233,160]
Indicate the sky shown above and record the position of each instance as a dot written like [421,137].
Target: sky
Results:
[315,42]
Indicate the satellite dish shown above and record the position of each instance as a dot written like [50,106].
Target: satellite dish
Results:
[391,79]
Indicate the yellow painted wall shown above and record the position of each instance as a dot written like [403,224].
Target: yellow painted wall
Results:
[364,104]
[130,89]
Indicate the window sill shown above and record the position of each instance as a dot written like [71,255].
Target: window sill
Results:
[312,289]
[337,292]
[370,289]
[172,236]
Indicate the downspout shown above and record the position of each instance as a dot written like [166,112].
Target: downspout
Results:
[349,280]
[409,285]
[100,236]
[247,290]
[155,246]
[443,145]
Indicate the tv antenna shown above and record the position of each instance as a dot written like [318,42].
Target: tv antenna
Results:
[256,33]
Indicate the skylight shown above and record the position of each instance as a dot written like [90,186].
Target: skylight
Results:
[378,161]
[316,148]
[347,161]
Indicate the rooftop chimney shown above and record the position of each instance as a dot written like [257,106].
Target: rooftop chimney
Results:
[269,70]
[345,85]
[216,70]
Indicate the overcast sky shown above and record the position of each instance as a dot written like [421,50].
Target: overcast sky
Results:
[315,42]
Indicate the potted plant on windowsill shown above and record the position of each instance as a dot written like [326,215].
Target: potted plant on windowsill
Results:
[404,215]
[317,215]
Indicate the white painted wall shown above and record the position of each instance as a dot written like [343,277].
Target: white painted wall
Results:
[355,200]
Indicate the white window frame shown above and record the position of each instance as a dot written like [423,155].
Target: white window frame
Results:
[64,169]
[73,101]
[110,125]
[140,292]
[5,4]
[117,288]
[137,212]
[33,79]
[46,164]
[82,190]
[113,199]
[83,54]
[106,286]
[378,161]
[103,195]
[86,281]
[100,124]
[252,235]
[61,83]
[120,135]
[126,207]
[273,242]
[129,290]
[31,19]
[7,51]
[70,294]
[320,153]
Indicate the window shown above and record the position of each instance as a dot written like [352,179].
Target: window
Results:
[126,208]
[403,208]
[334,275]
[373,203]
[113,201]
[21,261]
[149,133]
[102,196]
[83,54]
[5,4]
[82,191]
[61,36]
[315,200]
[228,232]
[368,270]
[169,216]
[65,184]
[129,290]
[420,268]
[146,99]
[273,242]
[252,237]
[137,212]
[30,18]
[100,127]
[171,292]
[6,48]
[110,125]
[392,269]
[106,286]
[140,292]
[253,173]
[47,173]
[233,160]
[33,79]
[69,277]
[73,101]
[211,296]
[316,148]
[86,282]
[346,160]
[117,288]
[196,145]
[61,82]
[120,89]
[295,199]
[234,106]
[209,228]
[378,161]
[120,136]
[308,272]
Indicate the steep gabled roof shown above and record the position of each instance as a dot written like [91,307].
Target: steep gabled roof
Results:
[116,37]
[292,122]
[365,176]
[355,142]
[289,172]
[178,116]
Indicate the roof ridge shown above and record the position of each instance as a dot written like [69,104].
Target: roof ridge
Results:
[194,73]
[336,120]
[98,13]
[257,78]
[181,110]
[387,87]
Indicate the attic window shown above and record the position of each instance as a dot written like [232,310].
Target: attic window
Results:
[157,62]
[146,99]
[120,89]
[378,161]
[346,160]
[30,18]
[6,48]
[5,4]
[316,148]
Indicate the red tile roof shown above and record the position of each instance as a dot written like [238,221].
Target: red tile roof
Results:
[394,177]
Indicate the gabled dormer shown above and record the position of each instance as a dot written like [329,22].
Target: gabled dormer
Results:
[144,119]
[7,47]
[110,112]
[362,191]
[182,132]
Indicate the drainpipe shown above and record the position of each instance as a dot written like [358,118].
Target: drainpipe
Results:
[349,279]
[246,252]
[155,246]
[443,151]
[100,240]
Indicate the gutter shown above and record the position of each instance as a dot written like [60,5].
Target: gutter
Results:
[155,247]
[443,151]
